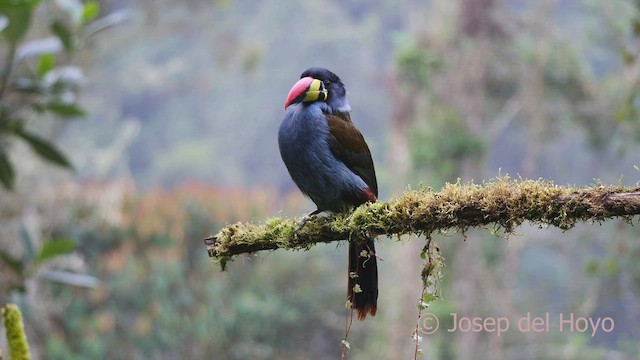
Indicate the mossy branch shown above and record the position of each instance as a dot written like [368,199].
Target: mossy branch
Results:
[16,338]
[503,202]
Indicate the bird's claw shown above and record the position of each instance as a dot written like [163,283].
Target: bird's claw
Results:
[300,225]
[304,221]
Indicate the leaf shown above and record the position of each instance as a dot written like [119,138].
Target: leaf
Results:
[18,4]
[73,10]
[45,149]
[4,21]
[46,63]
[55,248]
[429,298]
[27,243]
[39,47]
[59,80]
[90,11]
[14,264]
[64,34]
[66,110]
[17,18]
[113,19]
[70,278]
[6,171]
[19,22]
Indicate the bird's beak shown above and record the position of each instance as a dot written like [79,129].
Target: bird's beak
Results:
[305,90]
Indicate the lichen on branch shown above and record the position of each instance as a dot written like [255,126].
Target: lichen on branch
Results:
[502,202]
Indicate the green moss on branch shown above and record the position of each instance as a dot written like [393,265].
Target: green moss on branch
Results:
[14,328]
[503,202]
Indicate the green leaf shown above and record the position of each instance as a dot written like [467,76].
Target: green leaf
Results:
[7,176]
[66,110]
[4,22]
[19,22]
[429,298]
[90,11]
[17,18]
[64,34]
[45,149]
[14,264]
[18,4]
[27,243]
[46,63]
[55,248]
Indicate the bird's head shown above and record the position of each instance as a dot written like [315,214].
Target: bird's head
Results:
[319,84]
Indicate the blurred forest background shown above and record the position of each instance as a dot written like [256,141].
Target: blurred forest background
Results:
[168,112]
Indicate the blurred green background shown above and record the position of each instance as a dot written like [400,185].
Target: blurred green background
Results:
[168,112]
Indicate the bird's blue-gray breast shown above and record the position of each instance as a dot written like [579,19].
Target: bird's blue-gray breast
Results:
[303,141]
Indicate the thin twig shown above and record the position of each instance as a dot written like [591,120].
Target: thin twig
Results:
[431,265]
[348,323]
[417,329]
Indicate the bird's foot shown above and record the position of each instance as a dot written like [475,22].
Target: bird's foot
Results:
[301,223]
[304,220]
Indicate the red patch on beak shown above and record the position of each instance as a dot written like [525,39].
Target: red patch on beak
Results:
[298,89]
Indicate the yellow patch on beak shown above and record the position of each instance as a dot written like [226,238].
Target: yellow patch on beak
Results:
[316,92]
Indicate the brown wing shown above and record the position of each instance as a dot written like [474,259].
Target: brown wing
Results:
[347,145]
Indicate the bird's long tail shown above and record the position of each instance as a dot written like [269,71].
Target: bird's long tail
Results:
[363,278]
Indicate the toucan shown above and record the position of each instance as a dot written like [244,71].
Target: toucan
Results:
[329,160]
